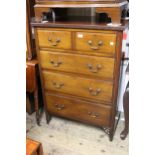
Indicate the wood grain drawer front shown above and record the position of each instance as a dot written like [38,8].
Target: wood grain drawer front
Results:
[54,39]
[95,42]
[96,66]
[79,86]
[78,110]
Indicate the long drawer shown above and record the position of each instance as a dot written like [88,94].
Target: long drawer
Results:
[79,86]
[95,42]
[54,39]
[78,110]
[89,65]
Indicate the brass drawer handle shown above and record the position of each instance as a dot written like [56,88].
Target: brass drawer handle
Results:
[100,43]
[94,48]
[59,106]
[94,92]
[55,64]
[93,114]
[57,85]
[90,67]
[54,43]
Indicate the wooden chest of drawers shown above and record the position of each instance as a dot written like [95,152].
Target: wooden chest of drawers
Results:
[80,74]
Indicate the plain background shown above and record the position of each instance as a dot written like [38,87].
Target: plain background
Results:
[13,77]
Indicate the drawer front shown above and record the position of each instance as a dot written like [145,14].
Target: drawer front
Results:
[79,86]
[78,110]
[95,66]
[95,42]
[54,39]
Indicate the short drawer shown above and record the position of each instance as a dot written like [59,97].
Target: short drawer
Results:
[90,65]
[95,42]
[78,86]
[78,110]
[54,39]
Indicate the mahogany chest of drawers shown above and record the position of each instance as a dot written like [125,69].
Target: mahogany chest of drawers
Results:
[80,71]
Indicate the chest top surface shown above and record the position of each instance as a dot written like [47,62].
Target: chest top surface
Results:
[64,2]
[79,0]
